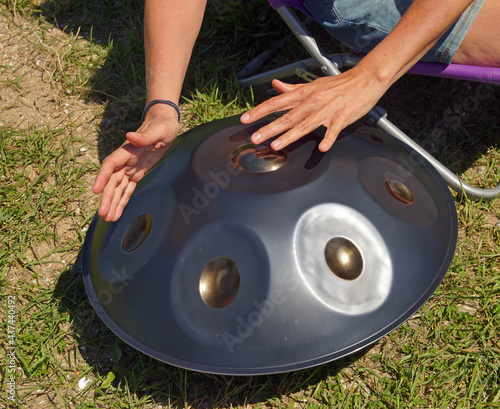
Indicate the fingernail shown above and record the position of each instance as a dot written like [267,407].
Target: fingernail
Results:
[245,117]
[256,137]
[323,146]
[276,144]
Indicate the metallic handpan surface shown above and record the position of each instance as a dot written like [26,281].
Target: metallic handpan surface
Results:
[234,259]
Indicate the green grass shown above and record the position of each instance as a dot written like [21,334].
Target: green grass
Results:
[39,185]
[446,356]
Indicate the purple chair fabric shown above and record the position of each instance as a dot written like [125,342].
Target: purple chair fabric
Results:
[458,71]
[454,71]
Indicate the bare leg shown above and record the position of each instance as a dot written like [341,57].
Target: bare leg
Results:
[481,45]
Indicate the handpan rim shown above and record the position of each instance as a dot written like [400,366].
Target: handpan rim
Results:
[235,363]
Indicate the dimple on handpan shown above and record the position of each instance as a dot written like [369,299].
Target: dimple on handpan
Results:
[232,258]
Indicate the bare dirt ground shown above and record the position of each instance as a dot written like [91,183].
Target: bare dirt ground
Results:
[32,98]
[36,99]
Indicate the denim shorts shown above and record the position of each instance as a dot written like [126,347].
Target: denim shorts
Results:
[362,24]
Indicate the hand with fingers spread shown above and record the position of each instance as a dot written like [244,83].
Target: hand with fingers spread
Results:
[170,31]
[334,102]
[127,165]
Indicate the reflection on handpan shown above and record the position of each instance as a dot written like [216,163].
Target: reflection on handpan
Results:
[336,238]
[137,233]
[258,158]
[344,258]
[234,259]
[219,282]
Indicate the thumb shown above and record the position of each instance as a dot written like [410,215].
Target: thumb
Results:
[142,140]
[156,134]
[283,87]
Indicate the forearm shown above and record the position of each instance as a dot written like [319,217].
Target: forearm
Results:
[171,29]
[415,34]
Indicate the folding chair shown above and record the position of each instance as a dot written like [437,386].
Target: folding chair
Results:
[332,64]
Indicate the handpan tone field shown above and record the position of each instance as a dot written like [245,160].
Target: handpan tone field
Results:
[232,258]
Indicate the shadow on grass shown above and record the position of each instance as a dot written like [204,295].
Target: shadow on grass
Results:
[115,26]
[454,119]
[150,379]
[119,84]
[451,119]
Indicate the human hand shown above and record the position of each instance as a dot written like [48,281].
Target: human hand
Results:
[334,102]
[127,165]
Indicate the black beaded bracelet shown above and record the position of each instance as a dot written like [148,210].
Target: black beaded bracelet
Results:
[161,101]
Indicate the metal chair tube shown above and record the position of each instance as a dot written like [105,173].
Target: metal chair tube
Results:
[329,68]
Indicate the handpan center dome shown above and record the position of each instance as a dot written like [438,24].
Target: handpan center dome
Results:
[258,158]
[233,258]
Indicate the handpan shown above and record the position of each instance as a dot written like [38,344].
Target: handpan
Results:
[232,258]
